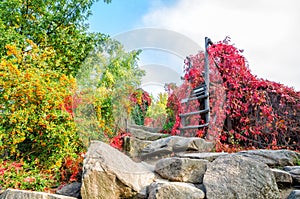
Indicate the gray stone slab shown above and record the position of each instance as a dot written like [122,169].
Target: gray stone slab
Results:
[210,156]
[23,194]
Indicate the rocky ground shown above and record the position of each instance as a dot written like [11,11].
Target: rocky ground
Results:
[159,166]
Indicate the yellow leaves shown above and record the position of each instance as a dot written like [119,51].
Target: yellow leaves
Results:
[5,97]
[12,108]
[32,95]
[139,100]
[63,77]
[109,78]
[13,149]
[103,92]
[18,137]
[50,89]
[13,121]
[22,139]
[64,80]
[58,164]
[40,94]
[13,69]
[11,50]
[101,123]
[72,81]
[28,75]
[32,44]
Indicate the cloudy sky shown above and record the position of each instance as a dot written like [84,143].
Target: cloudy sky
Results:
[267,30]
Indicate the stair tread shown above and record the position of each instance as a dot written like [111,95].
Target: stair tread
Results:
[193,127]
[194,113]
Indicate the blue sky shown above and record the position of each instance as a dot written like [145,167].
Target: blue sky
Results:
[267,30]
[117,16]
[122,15]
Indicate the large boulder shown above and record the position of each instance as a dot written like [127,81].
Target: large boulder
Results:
[235,176]
[108,173]
[22,194]
[192,144]
[178,190]
[273,158]
[182,169]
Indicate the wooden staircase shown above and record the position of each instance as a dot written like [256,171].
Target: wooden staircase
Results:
[200,93]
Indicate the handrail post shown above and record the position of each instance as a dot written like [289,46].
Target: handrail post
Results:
[206,78]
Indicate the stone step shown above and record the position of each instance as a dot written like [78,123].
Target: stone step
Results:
[210,156]
[145,128]
[171,146]
[143,134]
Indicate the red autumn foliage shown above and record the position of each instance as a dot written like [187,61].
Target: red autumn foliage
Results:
[117,141]
[246,111]
[72,168]
[70,103]
[141,98]
[140,101]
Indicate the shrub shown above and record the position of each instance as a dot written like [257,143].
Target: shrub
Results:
[35,125]
[27,176]
[140,101]
[157,112]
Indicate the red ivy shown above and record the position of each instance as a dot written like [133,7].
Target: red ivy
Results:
[258,113]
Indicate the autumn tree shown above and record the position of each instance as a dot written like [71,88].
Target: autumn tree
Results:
[43,46]
[60,25]
[105,82]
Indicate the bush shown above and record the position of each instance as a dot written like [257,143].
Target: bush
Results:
[35,125]
[27,176]
[157,113]
[140,100]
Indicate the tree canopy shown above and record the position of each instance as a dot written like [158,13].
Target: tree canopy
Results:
[44,45]
[60,25]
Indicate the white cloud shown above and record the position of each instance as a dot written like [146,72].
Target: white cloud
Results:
[268,31]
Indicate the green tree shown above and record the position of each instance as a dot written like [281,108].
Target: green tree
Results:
[106,80]
[158,110]
[60,24]
[42,45]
